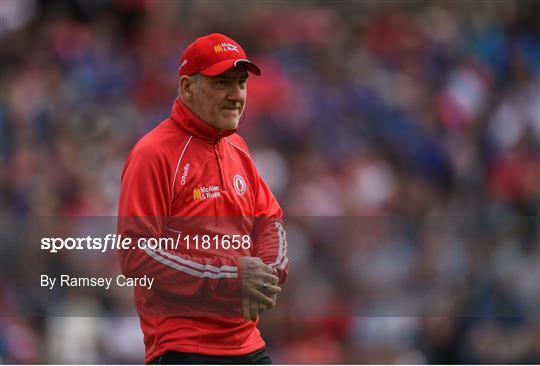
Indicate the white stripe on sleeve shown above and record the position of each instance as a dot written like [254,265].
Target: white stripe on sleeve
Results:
[281,260]
[188,270]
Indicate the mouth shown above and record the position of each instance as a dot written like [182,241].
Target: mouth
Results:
[231,109]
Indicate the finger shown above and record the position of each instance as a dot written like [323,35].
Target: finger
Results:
[257,290]
[270,278]
[254,309]
[262,307]
[268,301]
[272,289]
[268,268]
[245,308]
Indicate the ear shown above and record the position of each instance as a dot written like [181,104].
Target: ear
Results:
[186,88]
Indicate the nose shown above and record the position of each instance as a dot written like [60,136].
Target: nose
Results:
[236,92]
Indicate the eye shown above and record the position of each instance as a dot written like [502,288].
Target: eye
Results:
[221,84]
[243,83]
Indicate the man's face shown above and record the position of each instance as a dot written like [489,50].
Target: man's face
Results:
[220,100]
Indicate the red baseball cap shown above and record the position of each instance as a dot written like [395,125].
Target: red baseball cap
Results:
[213,55]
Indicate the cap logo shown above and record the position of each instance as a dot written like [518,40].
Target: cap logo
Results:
[224,47]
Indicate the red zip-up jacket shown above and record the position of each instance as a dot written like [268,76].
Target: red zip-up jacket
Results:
[186,177]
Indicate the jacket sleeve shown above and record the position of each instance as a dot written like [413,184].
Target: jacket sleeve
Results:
[145,201]
[269,237]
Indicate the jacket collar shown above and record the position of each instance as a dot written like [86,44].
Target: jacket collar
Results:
[193,125]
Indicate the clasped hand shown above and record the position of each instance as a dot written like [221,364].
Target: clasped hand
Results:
[259,287]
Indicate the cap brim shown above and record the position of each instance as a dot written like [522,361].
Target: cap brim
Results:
[222,66]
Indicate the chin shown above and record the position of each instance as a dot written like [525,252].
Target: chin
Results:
[230,125]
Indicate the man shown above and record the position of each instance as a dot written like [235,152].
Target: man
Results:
[192,179]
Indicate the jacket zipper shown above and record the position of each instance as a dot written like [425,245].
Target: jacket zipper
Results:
[220,167]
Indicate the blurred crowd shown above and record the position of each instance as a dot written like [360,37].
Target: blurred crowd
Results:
[401,138]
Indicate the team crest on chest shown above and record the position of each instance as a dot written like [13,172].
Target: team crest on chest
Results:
[239,184]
